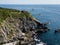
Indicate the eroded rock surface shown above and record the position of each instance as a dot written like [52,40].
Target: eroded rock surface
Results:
[20,29]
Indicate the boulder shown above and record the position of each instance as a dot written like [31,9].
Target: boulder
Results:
[58,30]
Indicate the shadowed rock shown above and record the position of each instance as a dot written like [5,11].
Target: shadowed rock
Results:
[58,30]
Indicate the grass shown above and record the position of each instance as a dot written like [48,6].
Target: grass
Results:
[5,12]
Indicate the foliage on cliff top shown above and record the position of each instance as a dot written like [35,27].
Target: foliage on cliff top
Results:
[5,12]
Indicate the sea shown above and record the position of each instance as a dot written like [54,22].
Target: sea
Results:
[49,14]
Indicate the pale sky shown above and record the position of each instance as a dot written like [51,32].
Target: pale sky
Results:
[29,1]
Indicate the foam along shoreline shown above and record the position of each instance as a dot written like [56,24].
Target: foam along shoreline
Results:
[41,43]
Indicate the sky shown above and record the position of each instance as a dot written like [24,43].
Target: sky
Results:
[29,1]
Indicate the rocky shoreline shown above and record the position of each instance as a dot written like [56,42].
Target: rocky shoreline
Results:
[31,34]
[21,29]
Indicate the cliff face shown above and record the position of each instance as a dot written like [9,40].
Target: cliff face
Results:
[18,25]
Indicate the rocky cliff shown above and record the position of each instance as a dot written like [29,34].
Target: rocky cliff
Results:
[16,25]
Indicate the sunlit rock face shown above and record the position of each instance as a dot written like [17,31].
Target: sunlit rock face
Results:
[16,29]
[10,29]
[12,43]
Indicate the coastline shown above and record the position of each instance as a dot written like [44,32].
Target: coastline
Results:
[20,25]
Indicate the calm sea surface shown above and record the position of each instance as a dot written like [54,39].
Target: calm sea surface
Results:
[46,14]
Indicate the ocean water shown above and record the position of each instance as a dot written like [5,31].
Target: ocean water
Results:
[45,14]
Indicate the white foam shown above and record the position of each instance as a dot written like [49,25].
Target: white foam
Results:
[41,43]
[37,40]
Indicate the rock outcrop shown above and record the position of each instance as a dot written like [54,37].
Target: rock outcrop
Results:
[19,26]
[58,30]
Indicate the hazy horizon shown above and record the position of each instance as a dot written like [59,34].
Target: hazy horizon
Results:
[37,2]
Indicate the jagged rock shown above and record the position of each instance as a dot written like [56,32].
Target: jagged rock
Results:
[20,26]
[58,30]
[14,30]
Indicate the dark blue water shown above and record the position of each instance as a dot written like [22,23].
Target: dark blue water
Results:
[45,14]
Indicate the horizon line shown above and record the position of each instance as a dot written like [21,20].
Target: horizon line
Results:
[29,4]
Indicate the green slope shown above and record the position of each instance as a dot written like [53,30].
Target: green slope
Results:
[5,12]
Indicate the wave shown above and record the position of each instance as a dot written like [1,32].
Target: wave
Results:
[41,43]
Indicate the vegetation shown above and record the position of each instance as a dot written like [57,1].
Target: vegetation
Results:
[4,13]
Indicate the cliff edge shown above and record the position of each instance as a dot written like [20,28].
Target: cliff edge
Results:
[16,25]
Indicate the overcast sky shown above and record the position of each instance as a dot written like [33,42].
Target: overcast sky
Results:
[29,1]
